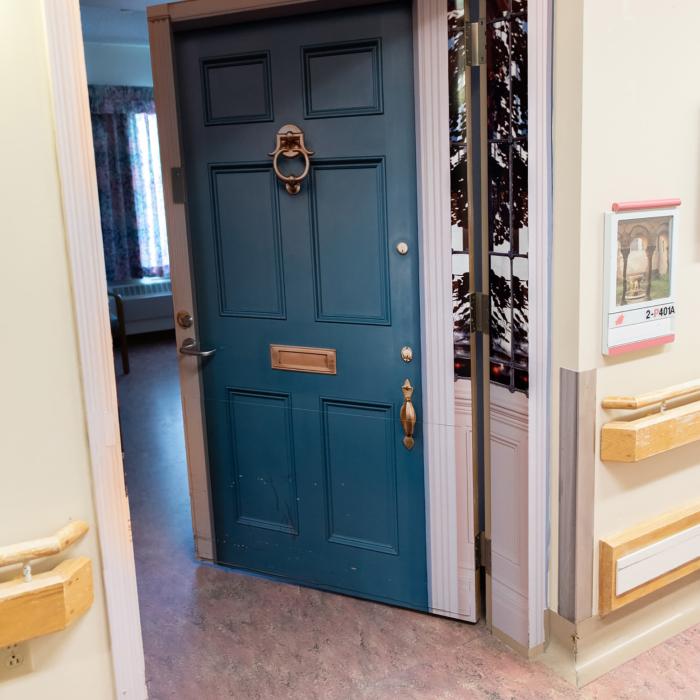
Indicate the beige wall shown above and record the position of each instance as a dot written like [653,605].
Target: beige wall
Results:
[626,127]
[44,459]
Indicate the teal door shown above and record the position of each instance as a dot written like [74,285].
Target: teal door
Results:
[309,298]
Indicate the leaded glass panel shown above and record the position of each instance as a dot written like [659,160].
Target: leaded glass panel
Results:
[508,237]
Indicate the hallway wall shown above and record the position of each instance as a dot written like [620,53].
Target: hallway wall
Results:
[44,459]
[641,136]
[626,127]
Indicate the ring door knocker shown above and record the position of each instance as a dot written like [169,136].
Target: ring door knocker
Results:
[290,144]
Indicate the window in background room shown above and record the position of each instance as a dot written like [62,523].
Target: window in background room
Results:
[148,195]
[129,182]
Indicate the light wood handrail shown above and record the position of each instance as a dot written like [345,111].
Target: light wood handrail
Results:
[653,397]
[48,603]
[45,547]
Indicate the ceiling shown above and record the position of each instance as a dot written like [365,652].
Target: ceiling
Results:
[140,5]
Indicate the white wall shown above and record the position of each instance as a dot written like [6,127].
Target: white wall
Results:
[626,127]
[118,64]
[44,459]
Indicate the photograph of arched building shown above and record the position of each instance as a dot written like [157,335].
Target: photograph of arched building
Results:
[643,254]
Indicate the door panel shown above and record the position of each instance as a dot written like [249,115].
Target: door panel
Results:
[237,89]
[348,200]
[264,473]
[353,519]
[310,479]
[248,243]
[359,92]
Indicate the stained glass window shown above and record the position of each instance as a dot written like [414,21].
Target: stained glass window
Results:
[458,165]
[506,50]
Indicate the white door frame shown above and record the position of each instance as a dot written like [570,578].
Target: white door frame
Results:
[82,221]
[539,46]
[81,213]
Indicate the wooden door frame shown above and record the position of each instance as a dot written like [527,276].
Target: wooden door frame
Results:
[86,258]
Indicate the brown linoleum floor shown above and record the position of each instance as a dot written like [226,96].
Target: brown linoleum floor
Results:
[213,633]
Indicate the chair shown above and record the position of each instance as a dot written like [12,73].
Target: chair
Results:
[118,324]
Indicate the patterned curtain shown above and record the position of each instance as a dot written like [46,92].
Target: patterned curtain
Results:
[129,182]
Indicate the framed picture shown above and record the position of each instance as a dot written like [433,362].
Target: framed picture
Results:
[640,252]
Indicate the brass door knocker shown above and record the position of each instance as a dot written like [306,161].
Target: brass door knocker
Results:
[290,144]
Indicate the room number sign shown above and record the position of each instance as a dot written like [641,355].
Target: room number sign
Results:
[640,252]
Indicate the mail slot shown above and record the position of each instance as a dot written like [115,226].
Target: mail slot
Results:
[294,358]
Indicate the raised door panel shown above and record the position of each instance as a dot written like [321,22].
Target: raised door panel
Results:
[248,243]
[509,540]
[348,206]
[343,80]
[360,469]
[237,89]
[464,497]
[264,475]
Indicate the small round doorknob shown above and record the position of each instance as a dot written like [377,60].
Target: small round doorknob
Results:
[184,319]
[406,353]
[402,248]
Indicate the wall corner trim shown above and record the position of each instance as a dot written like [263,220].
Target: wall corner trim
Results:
[577,438]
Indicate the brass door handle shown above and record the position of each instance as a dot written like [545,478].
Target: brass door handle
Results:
[190,347]
[290,144]
[408,415]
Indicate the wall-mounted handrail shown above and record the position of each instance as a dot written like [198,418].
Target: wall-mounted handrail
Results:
[636,438]
[652,398]
[23,552]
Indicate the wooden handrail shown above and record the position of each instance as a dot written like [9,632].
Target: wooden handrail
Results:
[45,547]
[48,603]
[653,397]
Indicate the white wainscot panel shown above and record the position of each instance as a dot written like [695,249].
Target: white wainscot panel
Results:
[465,504]
[509,522]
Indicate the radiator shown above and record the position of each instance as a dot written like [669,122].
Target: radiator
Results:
[148,304]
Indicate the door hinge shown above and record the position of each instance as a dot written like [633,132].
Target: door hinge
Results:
[177,182]
[479,312]
[482,548]
[475,40]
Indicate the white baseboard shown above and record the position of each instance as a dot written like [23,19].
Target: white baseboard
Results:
[584,652]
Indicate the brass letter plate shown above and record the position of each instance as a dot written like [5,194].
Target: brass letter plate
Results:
[293,358]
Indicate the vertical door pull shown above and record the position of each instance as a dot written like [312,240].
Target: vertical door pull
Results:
[408,415]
